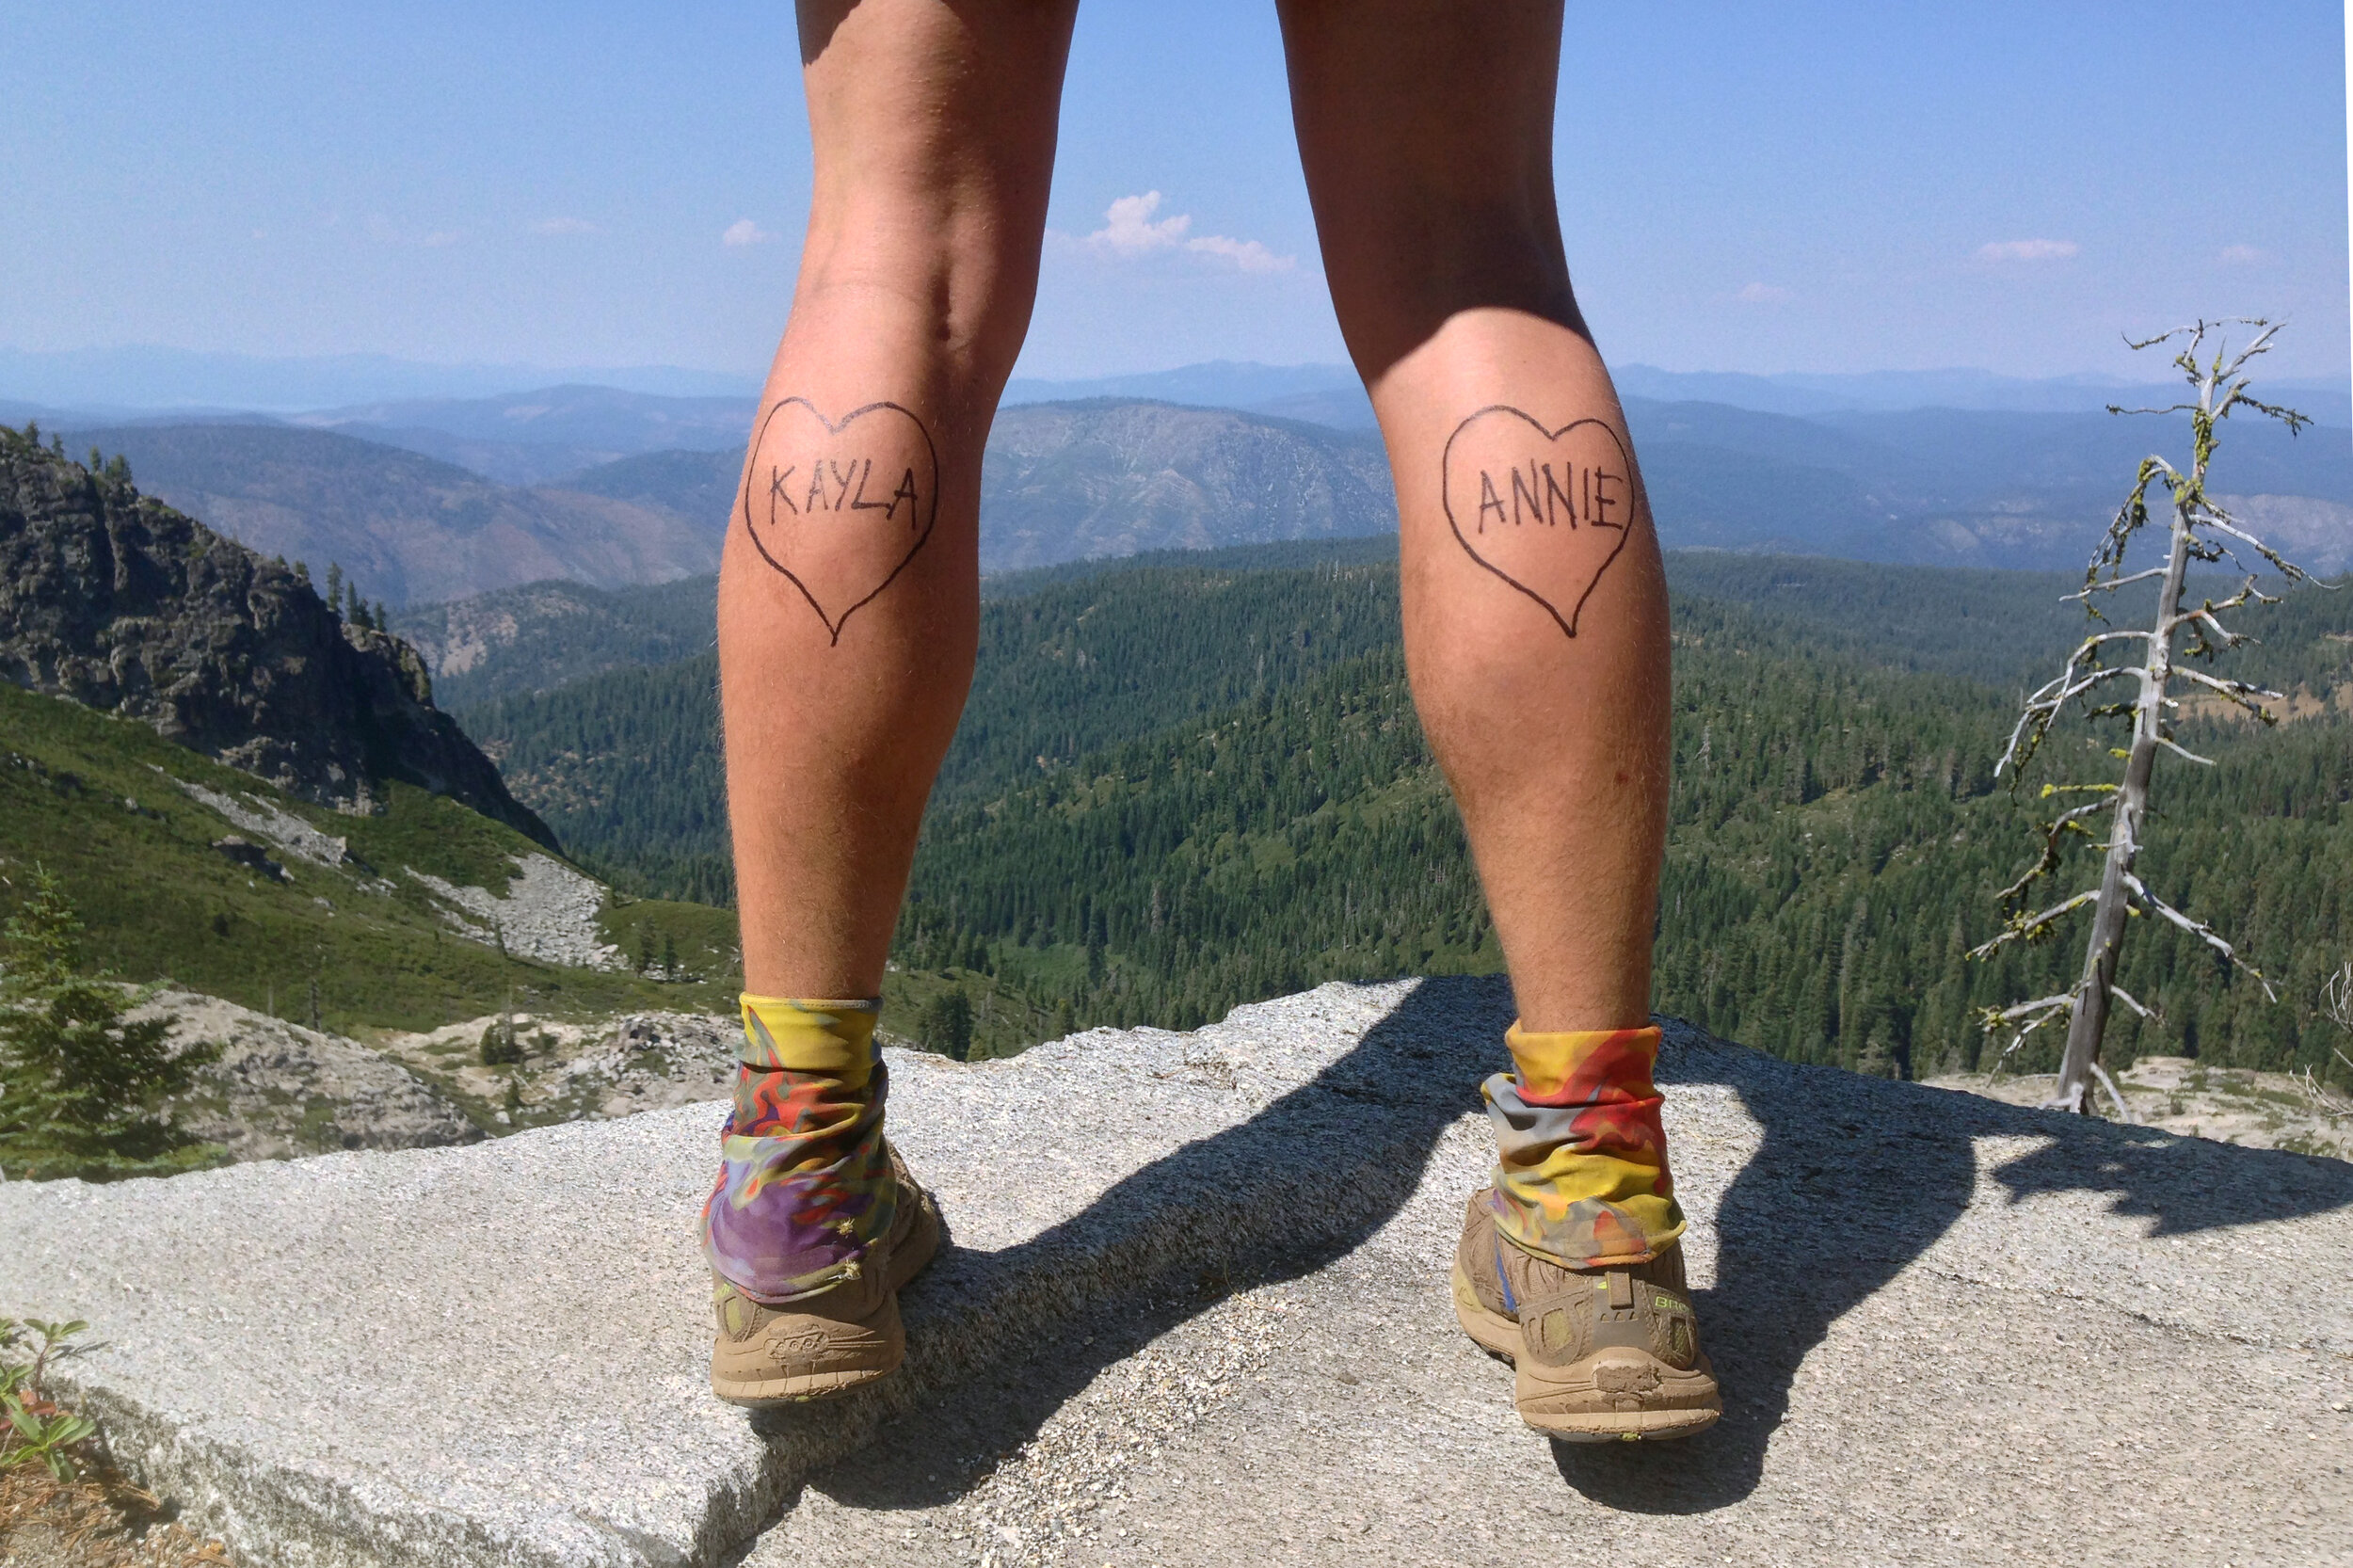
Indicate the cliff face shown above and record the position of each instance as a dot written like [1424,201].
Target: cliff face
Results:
[114,600]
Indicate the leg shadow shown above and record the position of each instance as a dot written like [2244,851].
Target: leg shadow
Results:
[1854,1180]
[1322,1167]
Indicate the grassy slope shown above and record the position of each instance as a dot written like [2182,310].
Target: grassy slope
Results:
[92,799]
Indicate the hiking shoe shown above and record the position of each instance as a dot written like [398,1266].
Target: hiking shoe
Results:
[1597,1354]
[836,1339]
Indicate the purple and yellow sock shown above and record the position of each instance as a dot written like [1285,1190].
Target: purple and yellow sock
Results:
[805,1182]
[1581,1156]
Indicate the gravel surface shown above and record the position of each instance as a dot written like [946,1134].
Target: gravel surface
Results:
[1194,1312]
[267,820]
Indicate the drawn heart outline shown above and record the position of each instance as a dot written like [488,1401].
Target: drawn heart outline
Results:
[1446,500]
[835,427]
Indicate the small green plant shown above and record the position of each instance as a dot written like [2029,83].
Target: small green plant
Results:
[32,1427]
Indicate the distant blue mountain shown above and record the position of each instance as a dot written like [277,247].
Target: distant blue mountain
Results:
[118,381]
[1331,394]
[1219,384]
[2329,402]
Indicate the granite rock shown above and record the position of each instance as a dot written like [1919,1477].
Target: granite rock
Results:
[1193,1311]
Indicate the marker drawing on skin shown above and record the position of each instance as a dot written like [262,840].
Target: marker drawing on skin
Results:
[1545,509]
[840,458]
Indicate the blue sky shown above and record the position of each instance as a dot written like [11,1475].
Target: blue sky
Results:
[1795,186]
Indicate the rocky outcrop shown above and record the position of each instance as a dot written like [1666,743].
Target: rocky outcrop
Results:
[1195,1313]
[279,1090]
[114,600]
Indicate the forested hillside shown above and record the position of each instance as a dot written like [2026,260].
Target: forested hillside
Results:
[546,635]
[1177,789]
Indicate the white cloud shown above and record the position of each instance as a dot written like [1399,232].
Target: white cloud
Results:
[745,231]
[1130,229]
[1248,255]
[2027,251]
[2241,255]
[385,231]
[564,226]
[1763,294]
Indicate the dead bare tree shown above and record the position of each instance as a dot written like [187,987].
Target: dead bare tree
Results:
[2197,530]
[2336,1004]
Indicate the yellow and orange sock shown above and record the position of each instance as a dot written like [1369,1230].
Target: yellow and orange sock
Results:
[1581,1156]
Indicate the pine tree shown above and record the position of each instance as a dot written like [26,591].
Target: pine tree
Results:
[945,1024]
[81,1083]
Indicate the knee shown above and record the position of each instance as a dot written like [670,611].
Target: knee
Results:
[934,260]
[1421,258]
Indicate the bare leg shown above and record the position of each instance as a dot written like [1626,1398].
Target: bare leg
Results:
[848,600]
[1536,641]
[1534,599]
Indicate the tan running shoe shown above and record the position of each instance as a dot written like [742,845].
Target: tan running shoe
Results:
[829,1343]
[1598,1356]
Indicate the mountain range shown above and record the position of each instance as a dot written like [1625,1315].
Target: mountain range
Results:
[404,527]
[1062,482]
[428,500]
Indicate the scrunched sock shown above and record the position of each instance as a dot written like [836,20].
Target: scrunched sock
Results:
[1581,1168]
[805,1180]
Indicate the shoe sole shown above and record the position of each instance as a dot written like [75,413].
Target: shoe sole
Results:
[806,1387]
[1583,1380]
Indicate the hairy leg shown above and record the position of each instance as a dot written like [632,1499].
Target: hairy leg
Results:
[1534,599]
[848,589]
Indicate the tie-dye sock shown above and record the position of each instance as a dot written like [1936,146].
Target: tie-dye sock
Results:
[1581,1169]
[804,1182]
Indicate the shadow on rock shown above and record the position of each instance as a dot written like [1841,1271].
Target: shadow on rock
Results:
[2184,1184]
[1856,1178]
[1322,1167]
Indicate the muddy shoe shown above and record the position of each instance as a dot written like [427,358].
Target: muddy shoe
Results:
[1598,1355]
[833,1341]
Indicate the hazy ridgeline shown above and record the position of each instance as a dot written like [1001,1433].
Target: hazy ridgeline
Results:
[1190,782]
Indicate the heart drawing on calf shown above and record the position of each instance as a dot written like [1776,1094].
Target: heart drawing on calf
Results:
[841,506]
[1545,510]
